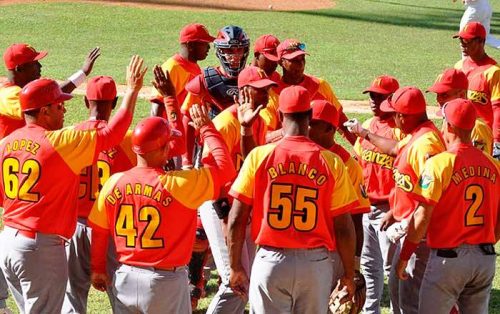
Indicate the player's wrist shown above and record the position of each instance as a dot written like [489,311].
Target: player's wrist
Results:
[246,130]
[407,250]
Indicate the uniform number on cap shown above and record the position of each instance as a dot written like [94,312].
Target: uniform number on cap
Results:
[18,180]
[126,227]
[287,208]
[475,194]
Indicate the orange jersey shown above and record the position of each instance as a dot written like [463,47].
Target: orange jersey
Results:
[111,161]
[418,146]
[11,117]
[270,113]
[355,173]
[377,166]
[180,72]
[229,128]
[484,88]
[462,185]
[41,171]
[151,214]
[298,187]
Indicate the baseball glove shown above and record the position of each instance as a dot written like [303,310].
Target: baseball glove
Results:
[340,304]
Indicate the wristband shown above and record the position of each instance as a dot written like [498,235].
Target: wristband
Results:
[407,250]
[78,78]
[244,131]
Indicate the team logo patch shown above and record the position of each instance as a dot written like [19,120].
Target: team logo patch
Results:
[425,181]
[232,92]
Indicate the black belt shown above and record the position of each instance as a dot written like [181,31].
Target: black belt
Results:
[486,248]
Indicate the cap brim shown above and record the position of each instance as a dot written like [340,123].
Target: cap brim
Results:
[41,55]
[63,97]
[271,57]
[376,90]
[208,39]
[438,88]
[263,83]
[464,36]
[295,54]
[386,106]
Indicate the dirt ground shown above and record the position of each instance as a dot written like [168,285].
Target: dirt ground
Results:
[258,5]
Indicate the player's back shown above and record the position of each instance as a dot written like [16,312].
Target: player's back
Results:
[468,208]
[294,182]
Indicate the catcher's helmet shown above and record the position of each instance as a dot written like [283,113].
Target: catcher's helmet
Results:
[40,93]
[228,40]
[150,134]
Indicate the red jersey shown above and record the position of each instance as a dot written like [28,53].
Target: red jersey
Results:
[151,214]
[11,117]
[41,170]
[377,166]
[418,146]
[462,185]
[299,187]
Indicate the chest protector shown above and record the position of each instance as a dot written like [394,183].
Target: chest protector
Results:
[222,89]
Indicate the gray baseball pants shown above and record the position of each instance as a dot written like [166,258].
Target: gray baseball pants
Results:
[224,301]
[4,290]
[36,270]
[376,257]
[291,281]
[465,280]
[405,293]
[152,291]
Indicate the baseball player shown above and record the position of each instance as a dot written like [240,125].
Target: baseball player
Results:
[151,216]
[242,129]
[452,84]
[216,86]
[422,140]
[376,257]
[291,54]
[23,66]
[458,214]
[39,186]
[483,74]
[298,194]
[182,67]
[479,11]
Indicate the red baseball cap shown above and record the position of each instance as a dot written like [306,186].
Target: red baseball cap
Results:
[151,134]
[267,45]
[448,80]
[17,54]
[195,32]
[459,113]
[471,30]
[101,88]
[40,93]
[406,100]
[291,48]
[255,77]
[325,111]
[384,84]
[294,99]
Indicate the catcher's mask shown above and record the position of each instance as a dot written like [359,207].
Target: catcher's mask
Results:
[232,47]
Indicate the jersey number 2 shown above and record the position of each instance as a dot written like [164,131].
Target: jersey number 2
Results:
[20,188]
[475,194]
[300,210]
[125,226]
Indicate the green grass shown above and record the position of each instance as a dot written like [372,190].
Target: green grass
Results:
[349,45]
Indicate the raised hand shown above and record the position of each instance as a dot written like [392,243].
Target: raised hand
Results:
[162,82]
[199,116]
[247,113]
[135,73]
[88,64]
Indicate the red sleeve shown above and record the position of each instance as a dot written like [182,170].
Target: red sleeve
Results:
[496,120]
[112,134]
[190,136]
[98,249]
[174,116]
[221,158]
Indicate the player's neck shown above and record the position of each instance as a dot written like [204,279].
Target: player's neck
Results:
[291,79]
[479,56]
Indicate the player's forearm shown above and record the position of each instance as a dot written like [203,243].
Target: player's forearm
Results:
[129,100]
[358,227]
[247,141]
[237,221]
[98,250]
[419,222]
[218,149]
[386,145]
[346,242]
[347,135]
[187,157]
[113,133]
[174,117]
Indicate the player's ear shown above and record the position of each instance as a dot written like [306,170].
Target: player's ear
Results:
[114,102]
